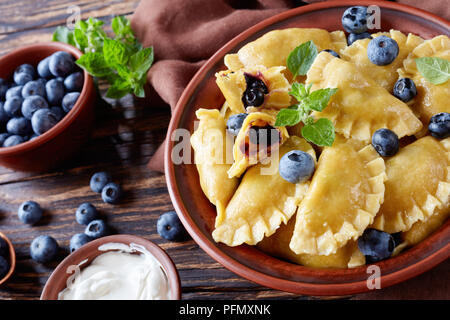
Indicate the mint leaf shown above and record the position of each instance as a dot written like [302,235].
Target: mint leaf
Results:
[301,58]
[435,70]
[141,61]
[299,91]
[95,64]
[114,52]
[320,133]
[287,117]
[63,34]
[119,89]
[318,100]
[80,39]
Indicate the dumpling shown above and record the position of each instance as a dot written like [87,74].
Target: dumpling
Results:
[248,148]
[360,106]
[418,184]
[422,229]
[385,76]
[273,48]
[277,245]
[209,142]
[262,202]
[430,98]
[233,85]
[345,194]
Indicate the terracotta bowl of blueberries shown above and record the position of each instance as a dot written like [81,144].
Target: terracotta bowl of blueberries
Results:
[46,106]
[7,259]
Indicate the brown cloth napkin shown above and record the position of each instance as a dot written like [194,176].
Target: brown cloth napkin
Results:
[186,33]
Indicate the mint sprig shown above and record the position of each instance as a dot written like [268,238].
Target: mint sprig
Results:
[320,132]
[435,70]
[120,59]
[301,58]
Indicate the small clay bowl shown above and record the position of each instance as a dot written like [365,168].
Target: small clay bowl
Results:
[11,259]
[58,279]
[56,145]
[198,214]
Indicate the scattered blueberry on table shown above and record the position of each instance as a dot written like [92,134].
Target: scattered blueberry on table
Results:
[85,213]
[376,245]
[111,193]
[99,180]
[96,229]
[53,86]
[44,249]
[170,227]
[78,240]
[30,212]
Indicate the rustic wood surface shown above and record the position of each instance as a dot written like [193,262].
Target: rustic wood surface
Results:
[125,137]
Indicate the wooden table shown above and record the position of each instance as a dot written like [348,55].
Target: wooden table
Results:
[125,137]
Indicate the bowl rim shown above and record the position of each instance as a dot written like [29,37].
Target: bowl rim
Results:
[298,287]
[79,256]
[12,259]
[88,87]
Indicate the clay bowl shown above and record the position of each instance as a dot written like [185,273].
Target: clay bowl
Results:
[58,279]
[63,140]
[11,259]
[198,215]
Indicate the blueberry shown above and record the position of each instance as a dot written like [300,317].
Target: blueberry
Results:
[170,227]
[296,166]
[69,101]
[253,82]
[58,112]
[54,89]
[33,136]
[253,97]
[3,88]
[43,120]
[32,88]
[385,142]
[61,64]
[42,68]
[440,125]
[264,136]
[78,240]
[85,213]
[111,193]
[30,212]
[96,229]
[354,19]
[235,122]
[31,104]
[382,50]
[14,91]
[44,249]
[4,117]
[13,140]
[332,52]
[12,106]
[20,126]
[376,245]
[3,137]
[24,73]
[4,249]
[405,89]
[352,37]
[99,180]
[4,267]
[74,82]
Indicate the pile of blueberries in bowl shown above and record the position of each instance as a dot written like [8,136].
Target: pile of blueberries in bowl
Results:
[37,98]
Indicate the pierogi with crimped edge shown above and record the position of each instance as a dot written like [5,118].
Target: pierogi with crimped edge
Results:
[353,190]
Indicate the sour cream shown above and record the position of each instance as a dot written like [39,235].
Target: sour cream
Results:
[121,273]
